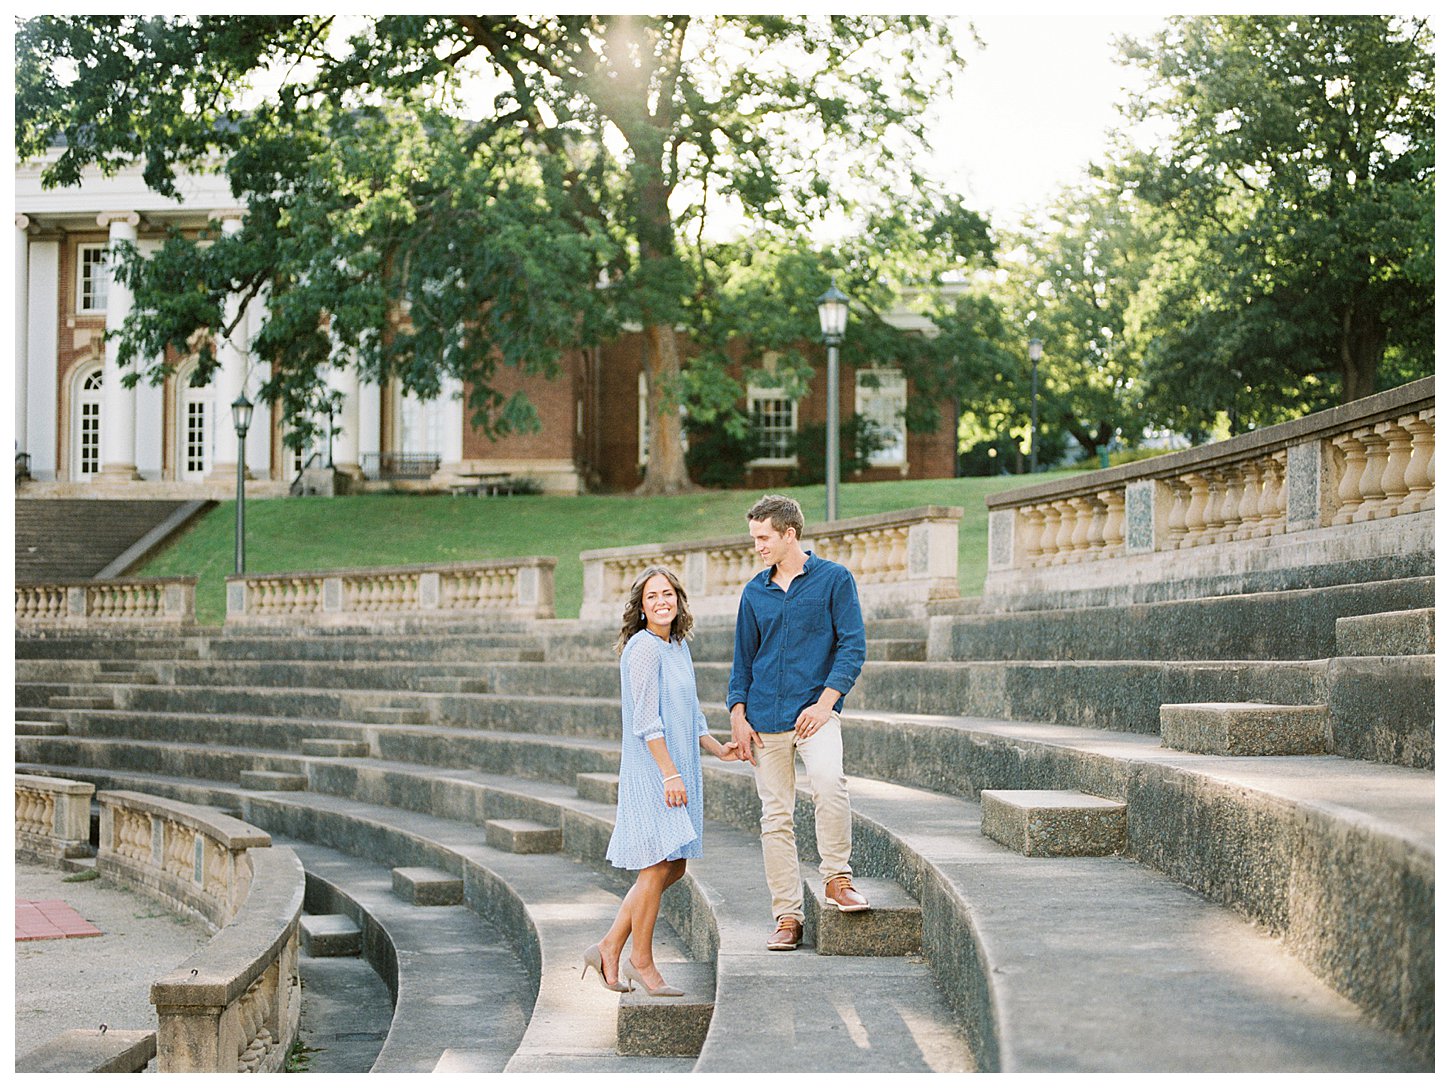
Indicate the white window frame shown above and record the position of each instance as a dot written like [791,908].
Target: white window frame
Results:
[760,391]
[886,397]
[192,404]
[92,276]
[89,392]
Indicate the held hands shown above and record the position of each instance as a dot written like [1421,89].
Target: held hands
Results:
[743,738]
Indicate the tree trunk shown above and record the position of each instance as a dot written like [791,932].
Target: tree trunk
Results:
[665,472]
[1361,348]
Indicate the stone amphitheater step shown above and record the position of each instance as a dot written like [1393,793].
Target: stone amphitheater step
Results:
[1245,729]
[349,780]
[51,645]
[75,539]
[1055,823]
[570,1025]
[330,935]
[896,649]
[40,729]
[424,886]
[1407,633]
[272,780]
[457,978]
[523,837]
[1288,625]
[374,647]
[892,927]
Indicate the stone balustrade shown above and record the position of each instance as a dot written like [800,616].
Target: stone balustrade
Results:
[501,588]
[1210,510]
[52,817]
[901,561]
[129,600]
[234,1005]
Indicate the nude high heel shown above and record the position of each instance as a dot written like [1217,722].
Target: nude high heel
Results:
[595,959]
[627,971]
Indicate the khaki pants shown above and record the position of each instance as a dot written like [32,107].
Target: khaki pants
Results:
[775,782]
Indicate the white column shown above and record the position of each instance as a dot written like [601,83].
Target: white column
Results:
[370,419]
[118,403]
[150,411]
[22,331]
[228,379]
[451,404]
[42,349]
[342,376]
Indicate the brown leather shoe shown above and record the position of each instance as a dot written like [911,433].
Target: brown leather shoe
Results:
[787,938]
[843,897]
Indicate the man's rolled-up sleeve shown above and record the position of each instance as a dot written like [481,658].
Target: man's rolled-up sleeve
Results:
[850,631]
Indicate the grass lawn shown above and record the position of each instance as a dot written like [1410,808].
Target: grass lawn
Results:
[309,534]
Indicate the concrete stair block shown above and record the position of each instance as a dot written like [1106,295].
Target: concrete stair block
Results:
[668,1026]
[330,935]
[326,746]
[106,677]
[1054,823]
[394,715]
[1386,634]
[91,1050]
[892,927]
[82,702]
[896,649]
[454,685]
[522,837]
[1245,729]
[426,887]
[272,780]
[40,729]
[598,786]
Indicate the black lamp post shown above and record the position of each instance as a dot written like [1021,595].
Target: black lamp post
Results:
[833,308]
[241,420]
[1034,352]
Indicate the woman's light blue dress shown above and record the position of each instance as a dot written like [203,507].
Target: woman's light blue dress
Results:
[657,698]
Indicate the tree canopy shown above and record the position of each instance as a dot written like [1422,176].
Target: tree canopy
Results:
[608,142]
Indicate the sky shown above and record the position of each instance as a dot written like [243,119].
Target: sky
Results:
[1031,108]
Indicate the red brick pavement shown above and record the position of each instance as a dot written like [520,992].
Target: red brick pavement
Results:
[48,919]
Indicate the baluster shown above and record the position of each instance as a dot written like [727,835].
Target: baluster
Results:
[1351,449]
[1083,512]
[1067,522]
[1193,518]
[1249,499]
[1397,458]
[1097,525]
[1376,453]
[1213,510]
[1113,523]
[1051,522]
[1029,524]
[1233,486]
[1418,478]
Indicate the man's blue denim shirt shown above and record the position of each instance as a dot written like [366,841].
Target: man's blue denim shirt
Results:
[791,645]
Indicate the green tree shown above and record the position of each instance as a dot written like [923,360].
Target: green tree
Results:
[1297,183]
[628,131]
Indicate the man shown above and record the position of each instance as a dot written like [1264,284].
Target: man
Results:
[799,647]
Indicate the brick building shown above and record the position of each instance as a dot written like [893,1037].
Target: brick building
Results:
[80,431]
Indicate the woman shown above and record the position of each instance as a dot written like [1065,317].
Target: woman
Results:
[660,818]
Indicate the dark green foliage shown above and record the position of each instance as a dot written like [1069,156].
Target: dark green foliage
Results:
[860,438]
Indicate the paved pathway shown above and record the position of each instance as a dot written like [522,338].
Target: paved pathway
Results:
[106,979]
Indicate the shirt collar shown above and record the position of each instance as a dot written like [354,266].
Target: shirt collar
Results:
[768,573]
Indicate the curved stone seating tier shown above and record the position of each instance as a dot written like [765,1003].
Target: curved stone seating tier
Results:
[1012,986]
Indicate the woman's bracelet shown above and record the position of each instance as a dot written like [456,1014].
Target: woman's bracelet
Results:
[668,777]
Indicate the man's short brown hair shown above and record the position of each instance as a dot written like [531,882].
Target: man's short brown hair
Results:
[783,513]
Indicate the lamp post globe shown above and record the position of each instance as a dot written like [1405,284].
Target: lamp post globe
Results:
[833,308]
[242,421]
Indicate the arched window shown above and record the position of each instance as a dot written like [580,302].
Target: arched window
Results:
[86,425]
[193,427]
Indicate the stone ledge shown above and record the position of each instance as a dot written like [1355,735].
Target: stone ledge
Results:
[1055,823]
[330,935]
[272,780]
[1245,729]
[323,746]
[425,887]
[394,715]
[522,836]
[669,1026]
[892,927]
[598,786]
[87,1050]
[1386,634]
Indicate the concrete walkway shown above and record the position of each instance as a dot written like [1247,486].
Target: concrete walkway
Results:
[83,982]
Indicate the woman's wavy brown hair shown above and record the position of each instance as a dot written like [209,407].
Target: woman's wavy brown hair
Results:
[634,621]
